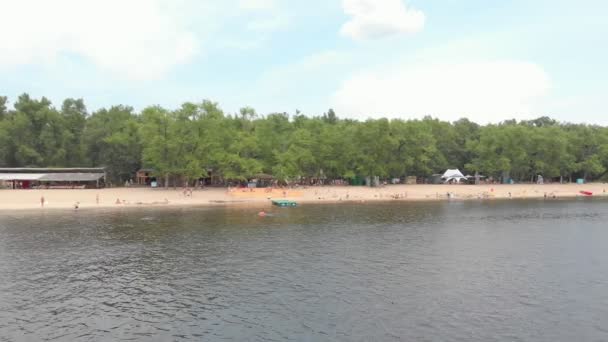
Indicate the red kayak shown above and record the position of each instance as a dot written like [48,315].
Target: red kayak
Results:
[587,193]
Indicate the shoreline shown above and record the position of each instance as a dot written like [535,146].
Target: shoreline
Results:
[29,200]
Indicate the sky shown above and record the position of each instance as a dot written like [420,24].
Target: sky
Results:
[488,61]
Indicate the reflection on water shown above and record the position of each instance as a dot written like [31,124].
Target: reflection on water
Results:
[461,271]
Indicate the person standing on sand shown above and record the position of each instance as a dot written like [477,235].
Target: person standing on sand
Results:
[97,198]
[42,201]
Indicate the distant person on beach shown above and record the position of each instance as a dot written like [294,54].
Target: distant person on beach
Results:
[118,201]
[76,205]
[262,213]
[41,201]
[97,198]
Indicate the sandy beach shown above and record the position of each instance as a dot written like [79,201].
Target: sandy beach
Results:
[146,197]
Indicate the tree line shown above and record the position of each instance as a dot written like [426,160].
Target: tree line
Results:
[199,139]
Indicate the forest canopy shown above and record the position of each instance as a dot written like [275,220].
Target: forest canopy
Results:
[198,138]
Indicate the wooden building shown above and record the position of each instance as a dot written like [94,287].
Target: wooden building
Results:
[144,176]
[53,178]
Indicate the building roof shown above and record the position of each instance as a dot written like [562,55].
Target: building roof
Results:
[39,170]
[52,177]
[71,177]
[263,176]
[20,176]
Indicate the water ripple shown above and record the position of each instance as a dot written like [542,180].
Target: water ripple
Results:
[475,271]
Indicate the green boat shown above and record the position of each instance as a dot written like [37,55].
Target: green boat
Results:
[284,203]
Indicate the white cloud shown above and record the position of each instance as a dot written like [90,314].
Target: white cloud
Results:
[268,24]
[264,15]
[289,76]
[138,39]
[372,19]
[320,59]
[243,44]
[482,91]
[257,5]
[302,84]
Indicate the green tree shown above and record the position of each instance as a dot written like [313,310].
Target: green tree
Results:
[74,114]
[37,134]
[3,107]
[197,138]
[157,149]
[111,139]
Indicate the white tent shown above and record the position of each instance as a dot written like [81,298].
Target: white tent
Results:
[454,174]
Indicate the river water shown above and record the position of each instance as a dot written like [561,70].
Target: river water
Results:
[450,271]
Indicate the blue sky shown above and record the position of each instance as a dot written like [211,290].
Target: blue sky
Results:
[486,60]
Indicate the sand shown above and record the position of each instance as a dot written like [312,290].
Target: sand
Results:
[146,197]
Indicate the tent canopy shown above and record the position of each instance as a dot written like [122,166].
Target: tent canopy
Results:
[453,174]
